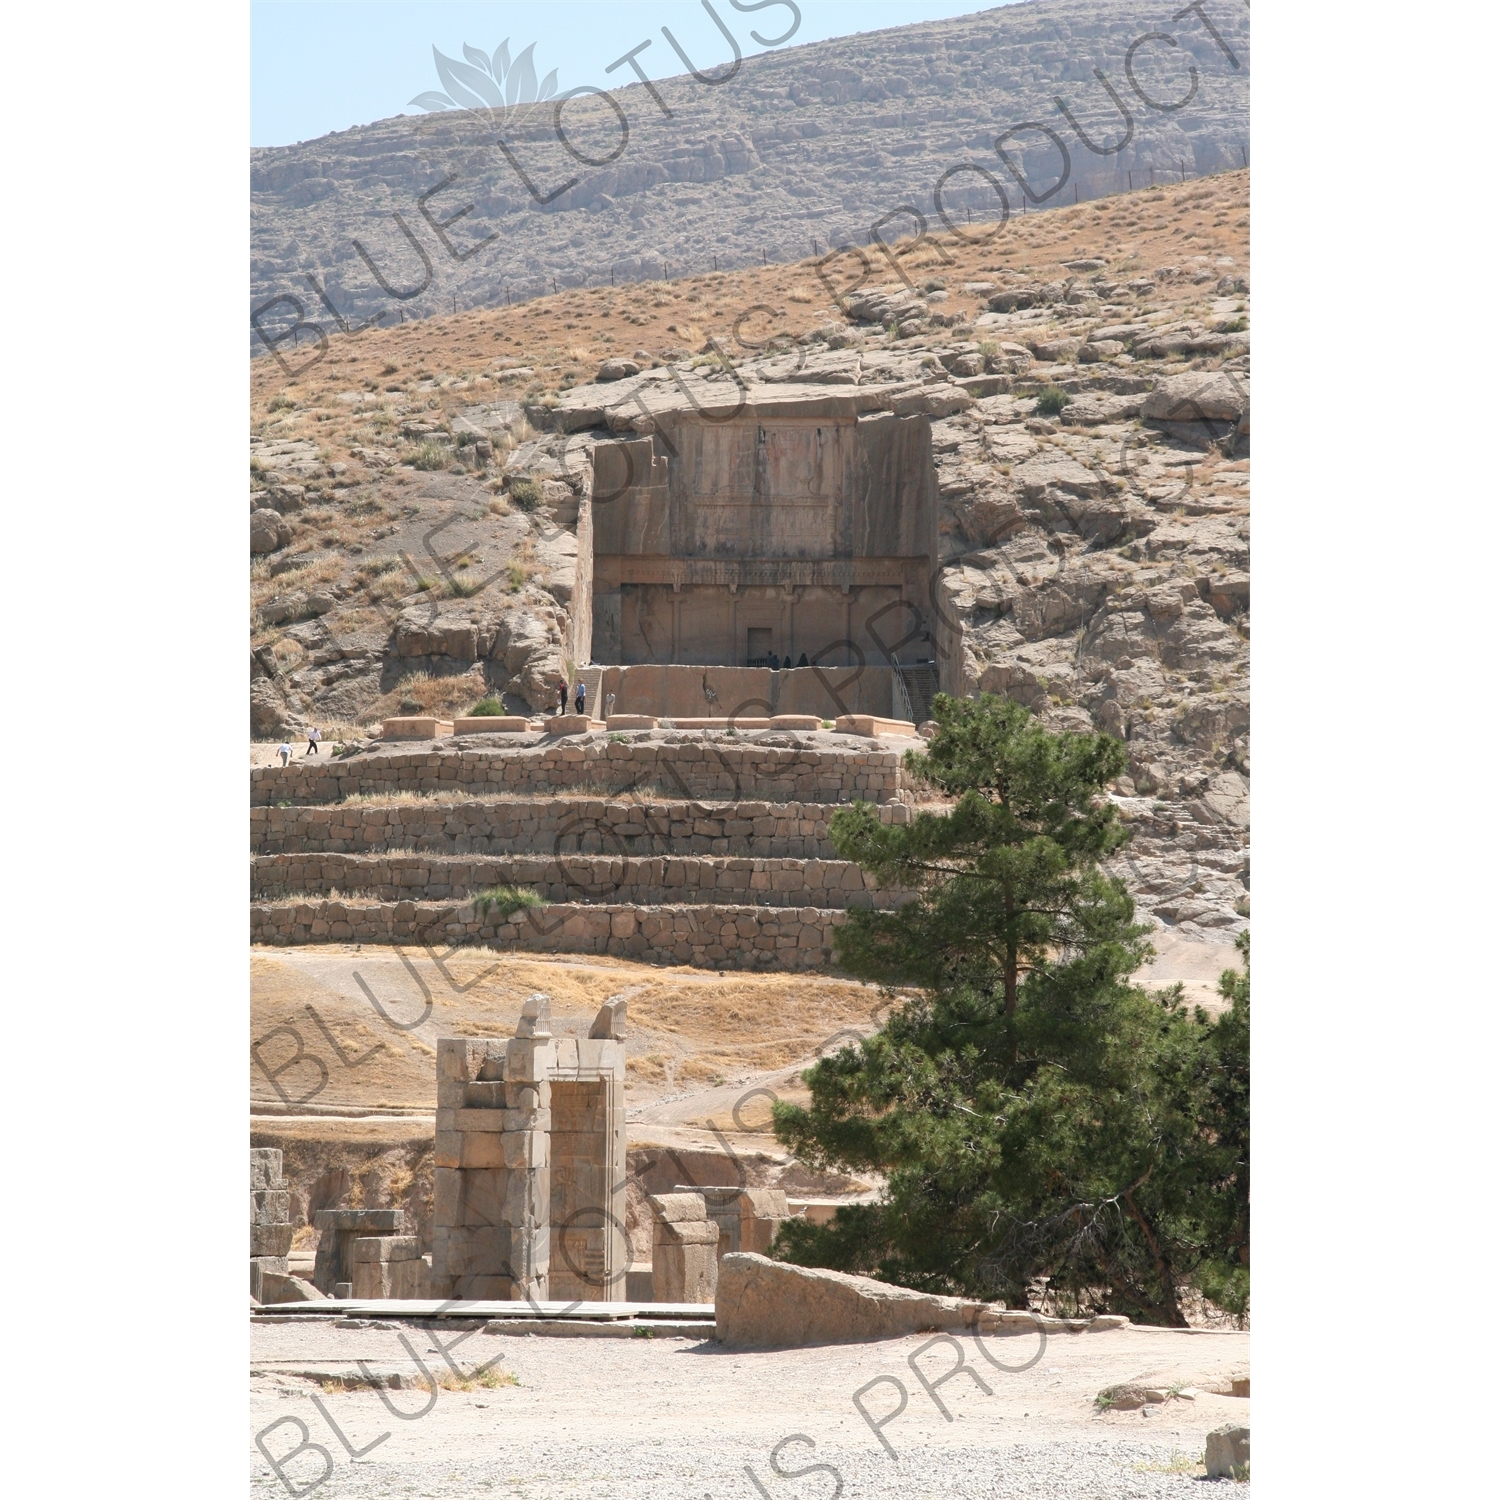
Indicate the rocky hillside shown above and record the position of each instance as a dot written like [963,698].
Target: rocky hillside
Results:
[415,494]
[773,158]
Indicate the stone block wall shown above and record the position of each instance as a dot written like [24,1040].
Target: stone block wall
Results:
[654,881]
[685,1249]
[557,825]
[270,1218]
[747,1218]
[388,1266]
[716,768]
[724,937]
[338,1231]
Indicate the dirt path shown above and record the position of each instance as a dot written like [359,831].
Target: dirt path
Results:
[626,1418]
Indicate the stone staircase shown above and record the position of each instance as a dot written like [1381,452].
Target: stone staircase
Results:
[919,684]
[674,847]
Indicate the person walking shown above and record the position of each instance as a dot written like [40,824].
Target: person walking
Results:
[580,695]
[562,695]
[284,750]
[609,705]
[313,736]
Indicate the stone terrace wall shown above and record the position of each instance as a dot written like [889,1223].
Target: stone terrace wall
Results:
[653,881]
[724,937]
[557,825]
[711,769]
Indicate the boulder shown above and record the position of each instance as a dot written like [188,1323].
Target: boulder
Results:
[422,631]
[270,715]
[277,1289]
[1199,395]
[1058,351]
[1227,1455]
[269,531]
[617,369]
[941,400]
[769,1304]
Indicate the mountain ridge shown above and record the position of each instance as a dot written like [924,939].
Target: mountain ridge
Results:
[850,140]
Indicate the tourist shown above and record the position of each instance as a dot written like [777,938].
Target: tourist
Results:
[580,695]
[609,705]
[562,695]
[313,736]
[803,662]
[284,750]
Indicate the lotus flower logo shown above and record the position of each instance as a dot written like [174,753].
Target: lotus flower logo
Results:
[486,82]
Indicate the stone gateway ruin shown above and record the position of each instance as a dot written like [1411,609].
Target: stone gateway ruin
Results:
[529,1165]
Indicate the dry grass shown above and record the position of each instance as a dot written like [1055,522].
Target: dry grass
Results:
[683,1022]
[1213,211]
[443,696]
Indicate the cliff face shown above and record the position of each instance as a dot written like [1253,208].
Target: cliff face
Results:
[784,155]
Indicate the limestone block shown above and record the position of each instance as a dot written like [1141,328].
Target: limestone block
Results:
[481,1197]
[520,1149]
[770,1304]
[279,1287]
[453,1059]
[270,1239]
[1227,1455]
[416,728]
[483,1150]
[471,1119]
[762,1213]
[483,1096]
[685,1272]
[389,1267]
[270,1206]
[447,1148]
[265,1168]
[679,1208]
[263,1267]
[868,724]
[526,1061]
[490,724]
[610,1022]
[527,1196]
[447,1195]
[476,1251]
[387,1247]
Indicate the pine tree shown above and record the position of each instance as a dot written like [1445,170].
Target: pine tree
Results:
[1034,1113]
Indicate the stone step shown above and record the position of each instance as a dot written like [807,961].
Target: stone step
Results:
[555,825]
[685,765]
[714,937]
[651,881]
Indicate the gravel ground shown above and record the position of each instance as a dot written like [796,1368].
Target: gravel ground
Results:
[669,1417]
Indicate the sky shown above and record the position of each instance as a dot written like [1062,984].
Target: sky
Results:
[322,65]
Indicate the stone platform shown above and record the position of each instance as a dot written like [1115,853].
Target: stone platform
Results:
[673,847]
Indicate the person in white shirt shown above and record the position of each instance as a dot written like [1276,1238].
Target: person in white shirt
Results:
[313,736]
[284,750]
